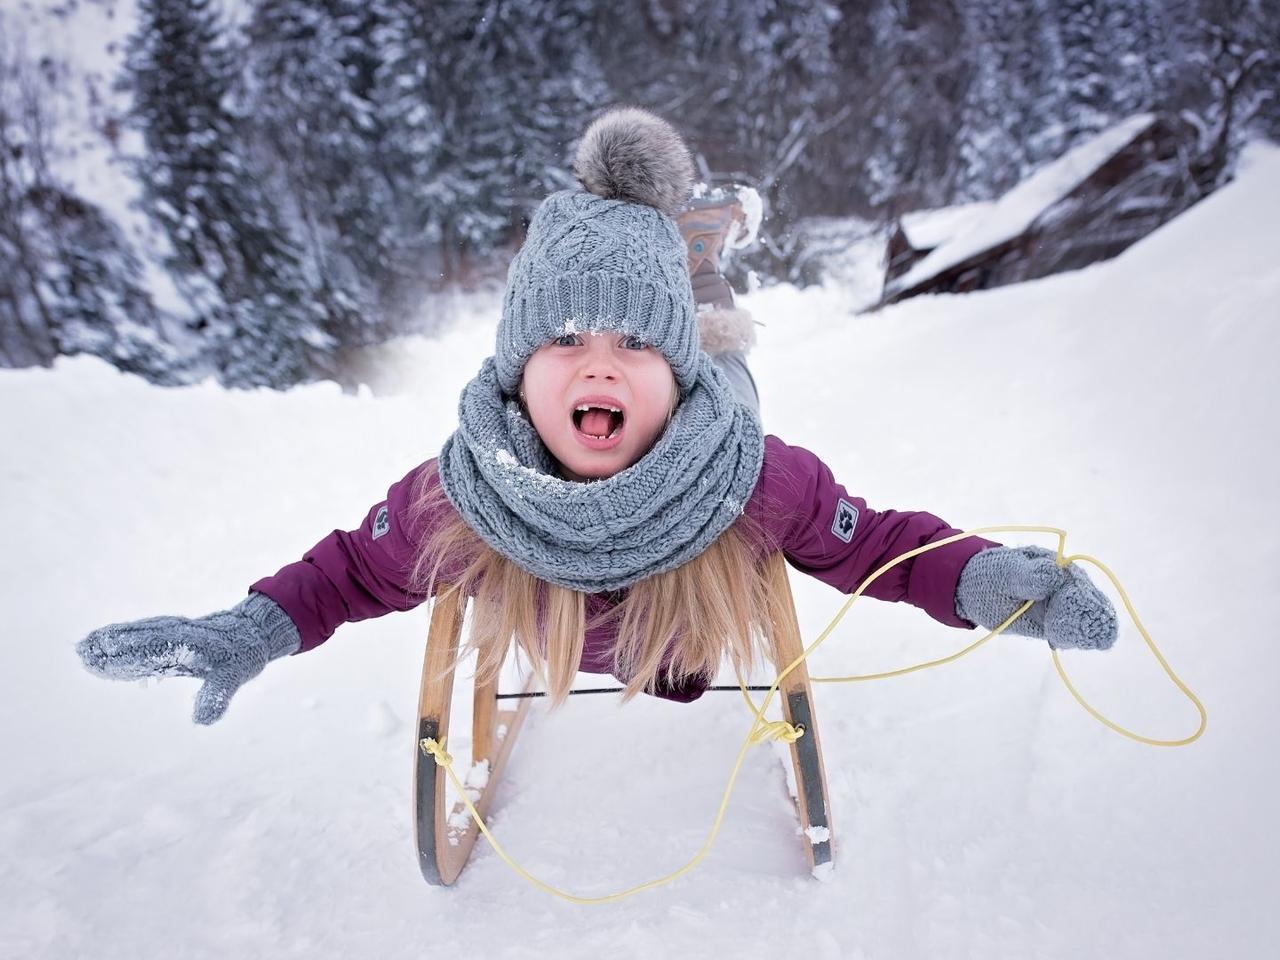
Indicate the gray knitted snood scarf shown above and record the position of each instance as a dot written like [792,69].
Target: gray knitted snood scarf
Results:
[609,257]
[605,534]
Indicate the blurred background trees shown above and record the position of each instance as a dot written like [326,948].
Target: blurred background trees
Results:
[320,170]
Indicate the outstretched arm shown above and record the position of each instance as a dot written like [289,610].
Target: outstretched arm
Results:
[349,575]
[828,533]
[357,574]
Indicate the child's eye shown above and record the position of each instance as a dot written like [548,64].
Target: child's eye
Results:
[631,342]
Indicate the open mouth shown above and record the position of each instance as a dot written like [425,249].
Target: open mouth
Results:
[598,422]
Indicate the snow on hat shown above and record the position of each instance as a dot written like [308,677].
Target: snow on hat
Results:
[609,258]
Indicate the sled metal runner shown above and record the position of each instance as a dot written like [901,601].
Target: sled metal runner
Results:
[445,837]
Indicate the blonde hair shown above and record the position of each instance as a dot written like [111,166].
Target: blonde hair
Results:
[720,605]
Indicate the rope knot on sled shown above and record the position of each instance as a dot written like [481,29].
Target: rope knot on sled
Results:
[435,748]
[776,730]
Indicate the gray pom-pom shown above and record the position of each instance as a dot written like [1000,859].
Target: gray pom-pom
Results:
[633,155]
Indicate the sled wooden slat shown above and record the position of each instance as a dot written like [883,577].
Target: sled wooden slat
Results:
[443,849]
[812,799]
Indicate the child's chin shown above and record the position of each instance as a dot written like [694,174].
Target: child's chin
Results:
[593,468]
[597,471]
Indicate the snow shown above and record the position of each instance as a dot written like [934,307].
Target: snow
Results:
[817,835]
[1013,213]
[926,229]
[977,810]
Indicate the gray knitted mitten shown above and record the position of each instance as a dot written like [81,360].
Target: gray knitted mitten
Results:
[1069,610]
[225,649]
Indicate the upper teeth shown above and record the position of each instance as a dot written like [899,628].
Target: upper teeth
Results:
[599,406]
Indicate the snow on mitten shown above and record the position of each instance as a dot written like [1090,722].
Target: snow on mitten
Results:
[1069,610]
[225,649]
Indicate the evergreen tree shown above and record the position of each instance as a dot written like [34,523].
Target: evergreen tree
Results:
[1085,89]
[97,300]
[231,254]
[915,72]
[753,84]
[69,280]
[1140,36]
[1236,57]
[990,149]
[480,101]
[328,168]
[308,96]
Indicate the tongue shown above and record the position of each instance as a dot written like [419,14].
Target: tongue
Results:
[596,422]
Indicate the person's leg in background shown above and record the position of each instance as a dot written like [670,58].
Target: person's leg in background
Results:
[727,332]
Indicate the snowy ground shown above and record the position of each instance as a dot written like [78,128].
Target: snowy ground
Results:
[978,811]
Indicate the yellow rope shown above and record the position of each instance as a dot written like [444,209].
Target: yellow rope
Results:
[763,730]
[1057,661]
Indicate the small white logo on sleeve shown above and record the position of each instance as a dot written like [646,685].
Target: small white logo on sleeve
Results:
[381,522]
[845,521]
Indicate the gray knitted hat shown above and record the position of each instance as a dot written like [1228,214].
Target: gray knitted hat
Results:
[611,258]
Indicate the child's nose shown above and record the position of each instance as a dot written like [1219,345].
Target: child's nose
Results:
[600,357]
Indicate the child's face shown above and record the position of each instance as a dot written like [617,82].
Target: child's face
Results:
[617,369]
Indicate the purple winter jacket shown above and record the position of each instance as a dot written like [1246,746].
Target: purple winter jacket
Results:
[821,529]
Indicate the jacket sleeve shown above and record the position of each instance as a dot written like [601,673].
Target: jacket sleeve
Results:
[828,533]
[355,574]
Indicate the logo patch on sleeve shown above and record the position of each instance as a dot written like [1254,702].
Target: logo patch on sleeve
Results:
[846,520]
[381,522]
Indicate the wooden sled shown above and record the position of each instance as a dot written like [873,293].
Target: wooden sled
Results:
[813,805]
[446,837]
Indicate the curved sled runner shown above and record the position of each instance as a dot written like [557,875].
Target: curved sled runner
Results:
[446,837]
[813,805]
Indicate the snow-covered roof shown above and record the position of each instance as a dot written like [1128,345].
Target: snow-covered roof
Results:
[926,229]
[1013,213]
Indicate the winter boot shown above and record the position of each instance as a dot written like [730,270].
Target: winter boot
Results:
[705,224]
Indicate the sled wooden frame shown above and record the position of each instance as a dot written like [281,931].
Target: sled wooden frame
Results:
[444,847]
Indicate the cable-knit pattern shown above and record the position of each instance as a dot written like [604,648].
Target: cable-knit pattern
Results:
[606,534]
[594,264]
[225,649]
[1069,610]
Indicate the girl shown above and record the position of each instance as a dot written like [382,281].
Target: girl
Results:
[607,498]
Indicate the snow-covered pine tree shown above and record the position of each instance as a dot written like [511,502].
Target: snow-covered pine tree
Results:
[99,302]
[914,70]
[308,88]
[1110,51]
[1085,90]
[231,254]
[783,57]
[480,101]
[530,47]
[989,144]
[69,279]
[753,83]
[1235,57]
[26,316]
[1139,33]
